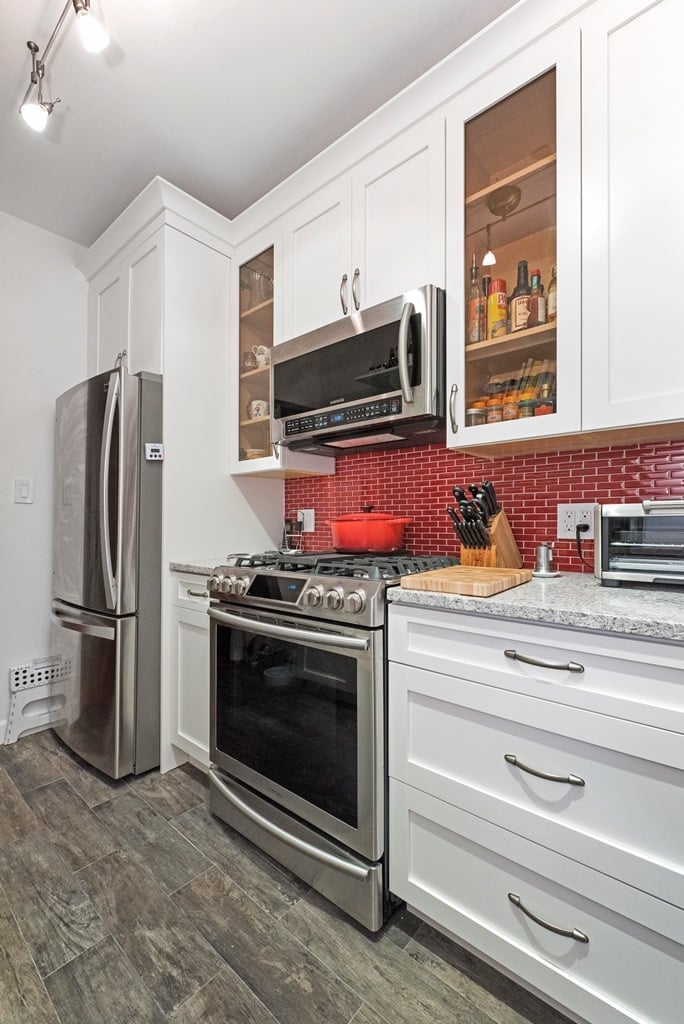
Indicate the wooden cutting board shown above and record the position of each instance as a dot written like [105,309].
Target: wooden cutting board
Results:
[470,580]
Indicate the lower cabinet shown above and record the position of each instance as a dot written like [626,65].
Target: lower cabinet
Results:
[535,818]
[189,667]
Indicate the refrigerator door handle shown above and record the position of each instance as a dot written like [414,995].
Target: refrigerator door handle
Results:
[110,583]
[68,621]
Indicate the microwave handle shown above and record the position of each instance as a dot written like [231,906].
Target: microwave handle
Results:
[402,354]
[671,505]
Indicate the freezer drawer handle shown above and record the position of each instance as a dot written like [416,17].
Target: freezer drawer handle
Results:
[569,780]
[348,867]
[569,933]
[568,666]
[104,632]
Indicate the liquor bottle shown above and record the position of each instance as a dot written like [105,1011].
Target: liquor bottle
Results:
[537,301]
[475,306]
[486,281]
[552,305]
[520,299]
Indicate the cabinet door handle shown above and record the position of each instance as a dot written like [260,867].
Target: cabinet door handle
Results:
[568,666]
[343,284]
[198,593]
[452,407]
[569,780]
[355,278]
[569,933]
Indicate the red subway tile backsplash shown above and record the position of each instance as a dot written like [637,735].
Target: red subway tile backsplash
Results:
[417,482]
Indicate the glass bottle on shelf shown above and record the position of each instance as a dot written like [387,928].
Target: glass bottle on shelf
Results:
[553,296]
[475,306]
[510,209]
[255,343]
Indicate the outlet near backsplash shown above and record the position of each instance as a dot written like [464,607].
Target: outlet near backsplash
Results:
[417,482]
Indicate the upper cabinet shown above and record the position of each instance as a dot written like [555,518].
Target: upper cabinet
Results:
[371,234]
[513,248]
[633,213]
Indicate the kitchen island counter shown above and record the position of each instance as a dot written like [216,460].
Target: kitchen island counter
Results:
[575,600]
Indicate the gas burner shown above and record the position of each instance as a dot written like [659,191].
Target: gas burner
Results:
[253,561]
[380,567]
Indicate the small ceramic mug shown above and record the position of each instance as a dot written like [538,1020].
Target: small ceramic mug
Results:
[257,408]
[262,355]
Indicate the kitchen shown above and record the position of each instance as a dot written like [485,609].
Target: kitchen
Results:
[619,470]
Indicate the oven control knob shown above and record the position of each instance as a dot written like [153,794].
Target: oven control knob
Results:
[334,599]
[240,585]
[313,597]
[214,583]
[227,585]
[356,601]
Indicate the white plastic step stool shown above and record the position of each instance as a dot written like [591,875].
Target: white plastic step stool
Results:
[37,696]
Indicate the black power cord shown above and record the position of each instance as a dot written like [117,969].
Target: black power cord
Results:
[579,529]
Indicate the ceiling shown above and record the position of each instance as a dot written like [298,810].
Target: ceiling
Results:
[222,98]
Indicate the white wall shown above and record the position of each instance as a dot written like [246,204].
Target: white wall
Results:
[43,299]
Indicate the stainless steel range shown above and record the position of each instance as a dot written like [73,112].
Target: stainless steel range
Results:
[298,698]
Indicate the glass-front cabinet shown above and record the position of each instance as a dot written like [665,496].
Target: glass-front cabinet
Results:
[255,344]
[513,249]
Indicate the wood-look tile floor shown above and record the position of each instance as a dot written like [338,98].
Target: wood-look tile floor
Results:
[128,903]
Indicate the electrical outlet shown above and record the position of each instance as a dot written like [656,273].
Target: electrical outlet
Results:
[307,517]
[570,517]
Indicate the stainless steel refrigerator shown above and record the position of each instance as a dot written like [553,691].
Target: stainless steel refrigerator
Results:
[106,592]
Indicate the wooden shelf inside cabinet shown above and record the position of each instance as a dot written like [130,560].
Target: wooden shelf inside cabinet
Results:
[537,183]
[259,372]
[260,318]
[255,422]
[532,340]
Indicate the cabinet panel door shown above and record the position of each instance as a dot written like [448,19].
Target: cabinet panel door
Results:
[145,268]
[317,254]
[190,676]
[398,215]
[633,214]
[106,319]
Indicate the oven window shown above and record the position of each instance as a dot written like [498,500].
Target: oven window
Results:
[289,712]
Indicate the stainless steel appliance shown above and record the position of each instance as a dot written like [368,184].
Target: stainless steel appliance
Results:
[298,697]
[375,379]
[640,543]
[106,585]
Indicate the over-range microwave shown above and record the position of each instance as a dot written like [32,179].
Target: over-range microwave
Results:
[640,543]
[375,379]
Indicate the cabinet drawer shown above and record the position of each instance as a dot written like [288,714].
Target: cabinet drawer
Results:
[458,870]
[638,680]
[189,591]
[450,738]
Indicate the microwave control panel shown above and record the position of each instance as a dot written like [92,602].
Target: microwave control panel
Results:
[352,414]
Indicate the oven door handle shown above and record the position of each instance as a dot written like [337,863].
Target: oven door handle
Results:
[339,863]
[353,643]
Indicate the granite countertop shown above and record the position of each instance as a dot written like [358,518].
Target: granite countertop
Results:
[571,599]
[199,566]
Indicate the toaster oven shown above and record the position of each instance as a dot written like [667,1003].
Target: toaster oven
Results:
[640,543]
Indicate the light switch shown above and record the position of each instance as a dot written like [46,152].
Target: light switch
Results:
[23,492]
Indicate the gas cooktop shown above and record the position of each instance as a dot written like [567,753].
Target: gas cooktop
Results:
[362,565]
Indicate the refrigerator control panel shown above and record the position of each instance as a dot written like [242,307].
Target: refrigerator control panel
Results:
[154,451]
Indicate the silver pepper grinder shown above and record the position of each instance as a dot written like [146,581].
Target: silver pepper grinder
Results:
[543,565]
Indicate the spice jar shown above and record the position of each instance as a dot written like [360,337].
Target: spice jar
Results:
[526,407]
[475,417]
[544,407]
[494,413]
[510,407]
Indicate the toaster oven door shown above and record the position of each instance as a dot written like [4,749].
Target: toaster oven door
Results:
[642,543]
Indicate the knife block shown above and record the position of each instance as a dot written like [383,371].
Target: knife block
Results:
[502,553]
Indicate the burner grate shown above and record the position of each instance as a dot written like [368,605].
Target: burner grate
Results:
[382,567]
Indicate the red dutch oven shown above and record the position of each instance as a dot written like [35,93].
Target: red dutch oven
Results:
[368,531]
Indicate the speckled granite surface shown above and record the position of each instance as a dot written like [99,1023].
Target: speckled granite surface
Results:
[200,567]
[571,599]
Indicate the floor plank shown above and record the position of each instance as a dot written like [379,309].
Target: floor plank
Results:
[163,946]
[173,793]
[17,819]
[74,829]
[225,998]
[295,986]
[101,987]
[173,860]
[271,886]
[55,916]
[388,980]
[23,997]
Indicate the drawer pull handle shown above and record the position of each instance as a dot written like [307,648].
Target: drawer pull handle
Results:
[569,780]
[569,933]
[198,593]
[568,666]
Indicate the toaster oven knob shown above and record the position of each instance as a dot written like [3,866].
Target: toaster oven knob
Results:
[240,585]
[356,601]
[313,597]
[214,583]
[334,599]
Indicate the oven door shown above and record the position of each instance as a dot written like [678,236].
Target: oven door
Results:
[297,715]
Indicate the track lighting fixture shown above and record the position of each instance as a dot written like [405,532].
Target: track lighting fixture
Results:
[94,38]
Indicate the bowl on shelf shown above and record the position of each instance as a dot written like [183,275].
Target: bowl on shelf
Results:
[255,453]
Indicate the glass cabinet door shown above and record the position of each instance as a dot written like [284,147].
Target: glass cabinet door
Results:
[514,221]
[255,343]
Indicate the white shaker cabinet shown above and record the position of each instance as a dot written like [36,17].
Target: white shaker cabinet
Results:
[633,213]
[189,667]
[373,233]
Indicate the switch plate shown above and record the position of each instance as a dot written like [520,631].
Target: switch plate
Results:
[23,492]
[307,517]
[570,516]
